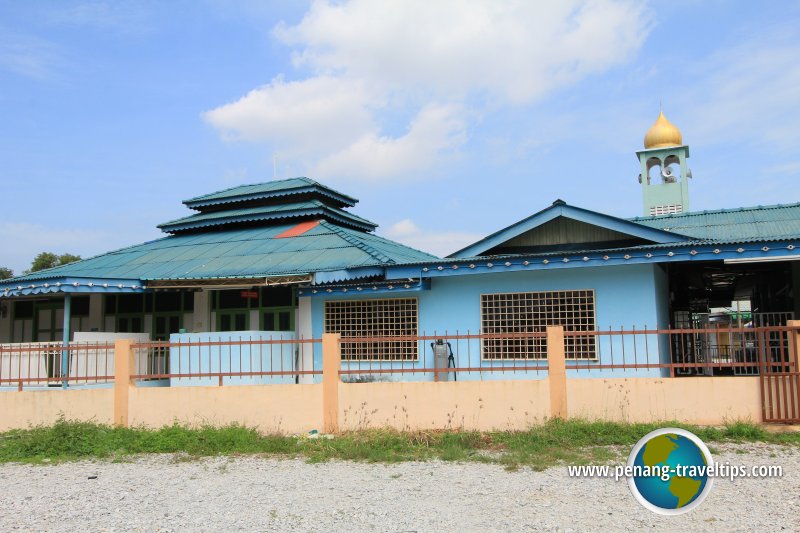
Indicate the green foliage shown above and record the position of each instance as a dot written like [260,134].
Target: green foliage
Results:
[64,259]
[43,261]
[743,431]
[50,260]
[6,273]
[543,446]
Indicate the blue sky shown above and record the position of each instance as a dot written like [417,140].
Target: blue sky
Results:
[448,120]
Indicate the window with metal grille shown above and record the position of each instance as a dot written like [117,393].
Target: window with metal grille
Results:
[391,317]
[532,312]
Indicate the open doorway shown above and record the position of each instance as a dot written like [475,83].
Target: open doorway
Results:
[724,304]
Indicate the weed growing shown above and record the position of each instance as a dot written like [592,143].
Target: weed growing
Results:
[554,442]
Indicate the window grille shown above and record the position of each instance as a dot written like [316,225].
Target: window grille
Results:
[532,312]
[666,209]
[374,318]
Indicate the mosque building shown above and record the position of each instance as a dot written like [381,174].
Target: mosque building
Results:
[290,258]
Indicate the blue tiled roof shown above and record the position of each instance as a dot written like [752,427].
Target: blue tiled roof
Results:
[237,253]
[279,212]
[339,244]
[270,190]
[745,223]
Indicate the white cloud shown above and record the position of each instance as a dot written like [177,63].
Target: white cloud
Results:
[518,50]
[435,131]
[441,243]
[313,115]
[440,62]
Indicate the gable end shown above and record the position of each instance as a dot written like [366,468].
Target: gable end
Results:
[564,233]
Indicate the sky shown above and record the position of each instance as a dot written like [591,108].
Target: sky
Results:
[448,120]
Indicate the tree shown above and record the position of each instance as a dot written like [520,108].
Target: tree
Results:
[6,273]
[64,259]
[49,260]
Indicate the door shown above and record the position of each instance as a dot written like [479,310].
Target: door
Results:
[50,328]
[778,349]
[49,323]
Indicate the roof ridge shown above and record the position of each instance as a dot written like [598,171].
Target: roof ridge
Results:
[302,178]
[304,181]
[341,232]
[714,211]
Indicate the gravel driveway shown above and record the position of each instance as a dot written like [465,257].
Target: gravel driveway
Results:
[166,493]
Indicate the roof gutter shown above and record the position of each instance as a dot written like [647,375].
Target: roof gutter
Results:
[227,283]
[771,259]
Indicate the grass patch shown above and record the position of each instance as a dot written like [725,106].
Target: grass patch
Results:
[555,442]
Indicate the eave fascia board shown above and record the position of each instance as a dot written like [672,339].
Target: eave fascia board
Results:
[70,285]
[664,149]
[348,274]
[783,250]
[367,289]
[349,220]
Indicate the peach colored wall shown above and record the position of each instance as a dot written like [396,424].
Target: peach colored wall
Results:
[269,408]
[19,410]
[473,405]
[697,400]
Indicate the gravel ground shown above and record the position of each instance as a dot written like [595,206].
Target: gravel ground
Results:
[168,493]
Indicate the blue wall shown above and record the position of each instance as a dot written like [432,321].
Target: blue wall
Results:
[662,310]
[625,296]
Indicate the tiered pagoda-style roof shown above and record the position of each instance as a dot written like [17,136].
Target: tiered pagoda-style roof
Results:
[294,229]
[269,203]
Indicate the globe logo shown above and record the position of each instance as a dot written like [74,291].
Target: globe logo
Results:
[670,469]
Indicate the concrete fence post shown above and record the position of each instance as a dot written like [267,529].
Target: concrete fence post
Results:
[556,373]
[331,364]
[123,366]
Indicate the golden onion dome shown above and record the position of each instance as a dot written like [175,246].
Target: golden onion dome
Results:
[663,134]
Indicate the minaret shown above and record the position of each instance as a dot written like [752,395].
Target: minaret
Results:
[666,190]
